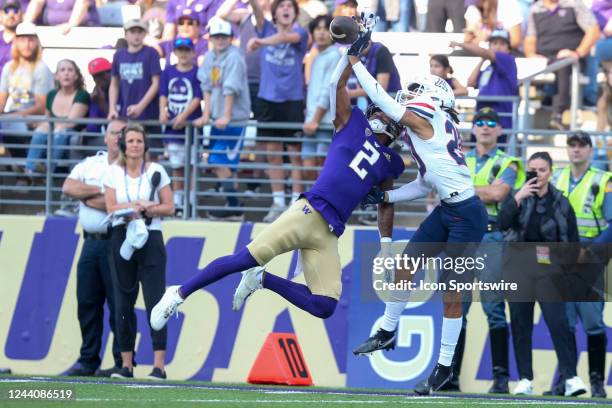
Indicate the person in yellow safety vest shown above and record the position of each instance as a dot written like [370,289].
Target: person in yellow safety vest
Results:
[495,174]
[589,191]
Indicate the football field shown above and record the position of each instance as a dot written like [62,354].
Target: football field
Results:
[87,392]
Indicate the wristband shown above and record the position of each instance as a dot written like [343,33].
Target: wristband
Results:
[386,239]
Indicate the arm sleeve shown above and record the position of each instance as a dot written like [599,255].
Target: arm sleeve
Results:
[154,62]
[377,94]
[233,78]
[203,76]
[163,83]
[411,191]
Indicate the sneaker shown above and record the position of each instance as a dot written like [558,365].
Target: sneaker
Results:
[157,374]
[523,387]
[438,377]
[229,214]
[250,282]
[124,372]
[274,213]
[106,372]
[166,307]
[381,340]
[80,371]
[574,387]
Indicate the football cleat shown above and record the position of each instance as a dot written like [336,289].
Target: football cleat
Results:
[438,377]
[250,282]
[381,340]
[166,307]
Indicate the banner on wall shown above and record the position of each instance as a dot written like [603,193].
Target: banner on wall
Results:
[208,341]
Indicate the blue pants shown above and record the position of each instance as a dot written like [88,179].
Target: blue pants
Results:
[459,223]
[591,316]
[492,303]
[60,139]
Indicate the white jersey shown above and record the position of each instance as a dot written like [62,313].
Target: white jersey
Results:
[440,161]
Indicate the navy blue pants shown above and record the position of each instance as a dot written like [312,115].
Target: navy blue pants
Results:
[455,229]
[94,288]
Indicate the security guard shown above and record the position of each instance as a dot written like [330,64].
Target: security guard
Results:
[94,284]
[495,174]
[589,191]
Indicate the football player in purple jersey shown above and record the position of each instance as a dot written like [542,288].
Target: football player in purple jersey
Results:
[358,159]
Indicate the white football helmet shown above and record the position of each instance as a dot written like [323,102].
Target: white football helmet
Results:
[431,85]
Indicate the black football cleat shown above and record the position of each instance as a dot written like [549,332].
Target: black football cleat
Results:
[381,340]
[438,377]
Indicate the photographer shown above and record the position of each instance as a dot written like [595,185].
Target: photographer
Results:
[138,193]
[539,213]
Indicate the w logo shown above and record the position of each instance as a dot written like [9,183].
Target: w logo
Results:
[306,210]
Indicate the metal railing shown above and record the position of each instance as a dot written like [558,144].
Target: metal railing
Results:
[574,93]
[43,192]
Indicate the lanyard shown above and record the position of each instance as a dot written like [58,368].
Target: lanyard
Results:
[127,194]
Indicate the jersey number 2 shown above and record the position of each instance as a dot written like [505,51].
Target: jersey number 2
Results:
[371,157]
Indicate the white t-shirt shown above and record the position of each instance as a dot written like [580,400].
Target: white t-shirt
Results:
[91,171]
[130,189]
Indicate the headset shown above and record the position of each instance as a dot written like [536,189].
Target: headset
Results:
[121,142]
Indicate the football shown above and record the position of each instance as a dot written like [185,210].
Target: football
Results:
[344,30]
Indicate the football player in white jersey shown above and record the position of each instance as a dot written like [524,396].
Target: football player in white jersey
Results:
[426,107]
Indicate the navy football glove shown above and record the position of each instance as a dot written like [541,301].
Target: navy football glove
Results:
[375,196]
[360,43]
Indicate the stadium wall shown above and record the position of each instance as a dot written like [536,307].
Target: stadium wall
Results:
[40,334]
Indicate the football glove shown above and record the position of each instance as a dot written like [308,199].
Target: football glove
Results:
[375,196]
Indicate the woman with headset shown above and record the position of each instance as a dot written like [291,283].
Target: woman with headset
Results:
[138,194]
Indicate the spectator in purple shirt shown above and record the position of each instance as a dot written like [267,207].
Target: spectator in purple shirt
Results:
[498,79]
[187,27]
[203,10]
[283,46]
[10,17]
[135,77]
[63,13]
[603,49]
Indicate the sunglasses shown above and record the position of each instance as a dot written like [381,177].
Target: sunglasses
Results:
[15,10]
[187,22]
[183,43]
[489,123]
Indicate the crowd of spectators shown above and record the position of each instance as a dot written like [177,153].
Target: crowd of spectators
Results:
[285,47]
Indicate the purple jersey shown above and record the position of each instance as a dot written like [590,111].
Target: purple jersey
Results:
[355,162]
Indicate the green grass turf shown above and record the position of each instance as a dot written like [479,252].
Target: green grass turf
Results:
[116,393]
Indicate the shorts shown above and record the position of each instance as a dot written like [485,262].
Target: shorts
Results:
[289,111]
[226,152]
[176,154]
[317,146]
[302,227]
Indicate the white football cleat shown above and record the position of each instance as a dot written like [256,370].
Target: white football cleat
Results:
[574,387]
[165,308]
[523,387]
[250,282]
